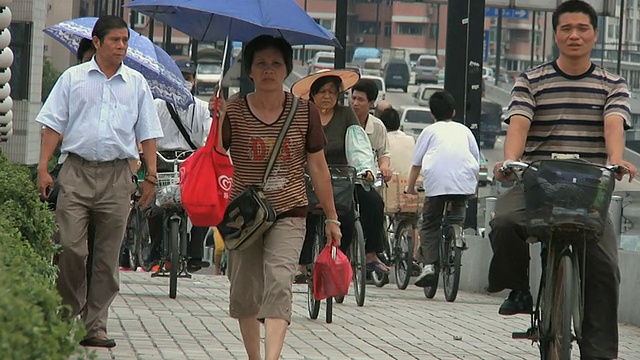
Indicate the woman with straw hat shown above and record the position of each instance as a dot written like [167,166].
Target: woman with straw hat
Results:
[347,144]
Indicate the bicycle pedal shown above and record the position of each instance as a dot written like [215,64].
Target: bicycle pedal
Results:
[520,335]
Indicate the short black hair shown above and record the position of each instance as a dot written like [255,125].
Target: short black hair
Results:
[368,87]
[107,23]
[391,119]
[320,82]
[84,46]
[442,105]
[574,6]
[263,42]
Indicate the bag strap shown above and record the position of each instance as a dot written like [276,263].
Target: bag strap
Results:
[183,131]
[278,145]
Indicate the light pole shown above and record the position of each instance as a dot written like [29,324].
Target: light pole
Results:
[375,41]
[304,49]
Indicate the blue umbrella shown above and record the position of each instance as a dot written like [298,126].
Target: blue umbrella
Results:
[240,20]
[160,70]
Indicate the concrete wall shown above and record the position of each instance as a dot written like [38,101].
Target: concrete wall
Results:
[475,270]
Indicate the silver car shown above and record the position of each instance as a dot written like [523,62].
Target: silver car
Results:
[413,119]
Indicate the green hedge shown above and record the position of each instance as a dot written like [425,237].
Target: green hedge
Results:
[31,326]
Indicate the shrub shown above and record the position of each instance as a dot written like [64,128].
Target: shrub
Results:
[30,307]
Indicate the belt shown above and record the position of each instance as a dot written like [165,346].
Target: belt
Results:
[84,161]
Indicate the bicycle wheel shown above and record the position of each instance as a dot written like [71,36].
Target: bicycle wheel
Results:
[451,263]
[358,262]
[558,338]
[313,305]
[402,250]
[174,256]
[380,280]
[329,311]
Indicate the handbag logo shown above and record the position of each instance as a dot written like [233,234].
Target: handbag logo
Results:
[224,182]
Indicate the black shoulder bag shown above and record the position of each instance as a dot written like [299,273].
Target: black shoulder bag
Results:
[249,215]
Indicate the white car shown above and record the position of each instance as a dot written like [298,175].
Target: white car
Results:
[208,74]
[413,119]
[424,92]
[322,60]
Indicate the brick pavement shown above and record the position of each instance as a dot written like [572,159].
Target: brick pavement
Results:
[393,324]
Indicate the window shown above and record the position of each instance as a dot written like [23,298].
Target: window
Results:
[326,23]
[367,27]
[410,29]
[21,47]
[387,29]
[433,31]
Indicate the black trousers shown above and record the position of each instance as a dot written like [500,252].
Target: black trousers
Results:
[371,218]
[510,264]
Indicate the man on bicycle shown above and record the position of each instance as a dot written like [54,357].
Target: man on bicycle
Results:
[567,108]
[448,155]
[184,129]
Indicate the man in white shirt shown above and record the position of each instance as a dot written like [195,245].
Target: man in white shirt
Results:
[102,107]
[196,124]
[448,155]
[401,145]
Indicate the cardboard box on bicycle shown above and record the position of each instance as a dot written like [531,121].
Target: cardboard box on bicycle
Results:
[395,200]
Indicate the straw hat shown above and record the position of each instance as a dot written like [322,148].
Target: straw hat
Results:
[302,87]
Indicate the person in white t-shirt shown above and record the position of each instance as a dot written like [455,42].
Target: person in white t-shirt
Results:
[448,156]
[401,145]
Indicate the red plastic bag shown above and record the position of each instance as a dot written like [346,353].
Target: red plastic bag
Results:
[331,274]
[205,179]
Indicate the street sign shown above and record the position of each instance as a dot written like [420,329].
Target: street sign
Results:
[507,13]
[485,55]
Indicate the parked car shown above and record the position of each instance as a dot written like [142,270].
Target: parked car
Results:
[490,123]
[372,67]
[382,89]
[321,60]
[427,69]
[396,75]
[208,75]
[413,119]
[424,92]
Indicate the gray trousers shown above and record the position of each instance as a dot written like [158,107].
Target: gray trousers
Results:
[101,192]
[430,227]
[510,264]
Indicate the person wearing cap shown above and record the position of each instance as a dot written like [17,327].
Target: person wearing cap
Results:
[196,121]
[347,144]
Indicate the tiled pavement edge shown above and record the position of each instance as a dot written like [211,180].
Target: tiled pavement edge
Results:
[393,324]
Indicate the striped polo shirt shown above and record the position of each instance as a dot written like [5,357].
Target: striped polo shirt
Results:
[251,143]
[567,112]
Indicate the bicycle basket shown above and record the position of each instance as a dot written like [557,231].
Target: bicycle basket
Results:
[565,194]
[168,189]
[343,183]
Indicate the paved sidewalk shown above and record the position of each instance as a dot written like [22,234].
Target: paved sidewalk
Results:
[393,324]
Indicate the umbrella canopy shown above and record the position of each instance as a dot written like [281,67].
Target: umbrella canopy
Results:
[160,70]
[240,20]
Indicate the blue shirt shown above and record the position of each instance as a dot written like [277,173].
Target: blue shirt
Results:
[100,118]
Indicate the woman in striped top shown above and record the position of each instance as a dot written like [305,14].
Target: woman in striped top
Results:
[261,275]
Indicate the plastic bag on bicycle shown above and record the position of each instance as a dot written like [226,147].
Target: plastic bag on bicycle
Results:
[331,274]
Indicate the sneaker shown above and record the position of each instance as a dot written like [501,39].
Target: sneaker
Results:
[518,302]
[427,276]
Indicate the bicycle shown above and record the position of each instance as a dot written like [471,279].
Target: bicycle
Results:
[566,204]
[451,246]
[400,230]
[345,179]
[175,222]
[136,244]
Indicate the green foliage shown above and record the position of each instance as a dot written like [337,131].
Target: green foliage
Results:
[31,320]
[49,77]
[21,204]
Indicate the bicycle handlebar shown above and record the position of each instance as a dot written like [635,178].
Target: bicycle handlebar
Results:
[177,160]
[511,165]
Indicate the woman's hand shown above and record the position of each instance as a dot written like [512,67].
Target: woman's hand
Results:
[222,103]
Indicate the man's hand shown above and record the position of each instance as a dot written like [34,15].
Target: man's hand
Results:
[386,173]
[411,190]
[147,191]
[333,233]
[45,182]
[633,171]
[499,175]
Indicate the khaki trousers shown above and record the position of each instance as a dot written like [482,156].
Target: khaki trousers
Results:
[100,191]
